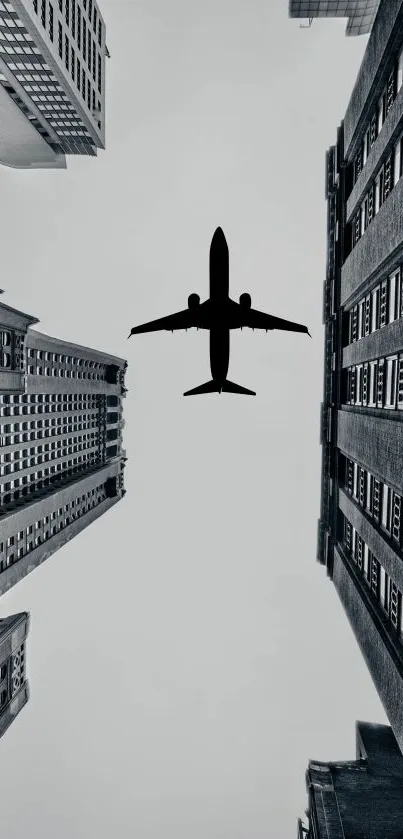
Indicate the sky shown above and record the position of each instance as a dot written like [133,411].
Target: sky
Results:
[187,655]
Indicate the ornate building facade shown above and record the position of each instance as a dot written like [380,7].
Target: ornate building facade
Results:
[61,455]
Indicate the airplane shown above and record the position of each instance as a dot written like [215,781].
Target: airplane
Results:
[219,314]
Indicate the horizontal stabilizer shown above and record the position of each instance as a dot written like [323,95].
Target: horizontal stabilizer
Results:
[208,387]
[214,387]
[231,387]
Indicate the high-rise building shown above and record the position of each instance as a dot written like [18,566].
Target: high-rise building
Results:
[360,13]
[360,538]
[61,456]
[14,687]
[52,81]
[357,798]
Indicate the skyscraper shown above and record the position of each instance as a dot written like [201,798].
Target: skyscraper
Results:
[357,798]
[14,687]
[360,13]
[61,456]
[52,81]
[361,529]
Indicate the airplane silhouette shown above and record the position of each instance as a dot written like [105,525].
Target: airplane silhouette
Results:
[219,314]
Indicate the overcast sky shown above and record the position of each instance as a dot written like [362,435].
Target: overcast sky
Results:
[187,654]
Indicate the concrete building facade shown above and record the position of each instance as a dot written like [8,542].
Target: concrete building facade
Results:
[361,14]
[14,686]
[61,455]
[360,538]
[52,81]
[357,799]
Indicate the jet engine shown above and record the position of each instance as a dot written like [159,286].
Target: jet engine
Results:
[193,301]
[245,300]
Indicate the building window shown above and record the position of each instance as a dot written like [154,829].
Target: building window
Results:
[357,227]
[50,21]
[361,318]
[384,580]
[366,562]
[366,146]
[43,13]
[397,164]
[391,90]
[386,508]
[380,383]
[355,481]
[358,163]
[361,488]
[381,111]
[391,375]
[376,499]
[78,27]
[367,315]
[349,475]
[66,52]
[387,178]
[348,533]
[99,33]
[99,74]
[400,384]
[375,297]
[394,296]
[73,63]
[352,386]
[395,605]
[396,517]
[354,324]
[36,6]
[60,39]
[383,304]
[377,194]
[375,576]
[67,11]
[365,384]
[368,502]
[84,39]
[358,384]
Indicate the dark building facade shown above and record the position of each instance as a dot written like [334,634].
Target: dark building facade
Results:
[14,687]
[357,799]
[360,538]
[61,455]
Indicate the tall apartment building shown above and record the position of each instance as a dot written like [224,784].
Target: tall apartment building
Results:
[360,538]
[61,456]
[358,798]
[52,81]
[14,687]
[360,13]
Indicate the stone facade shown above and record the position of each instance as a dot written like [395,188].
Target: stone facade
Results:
[360,534]
[357,799]
[61,454]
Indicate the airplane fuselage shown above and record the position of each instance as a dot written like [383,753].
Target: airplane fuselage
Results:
[219,299]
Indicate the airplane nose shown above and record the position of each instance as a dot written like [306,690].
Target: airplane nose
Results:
[219,233]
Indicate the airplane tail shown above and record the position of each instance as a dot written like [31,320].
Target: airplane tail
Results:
[231,387]
[213,387]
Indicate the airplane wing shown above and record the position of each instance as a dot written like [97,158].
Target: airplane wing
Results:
[260,320]
[180,320]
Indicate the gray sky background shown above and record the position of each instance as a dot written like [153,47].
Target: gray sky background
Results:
[187,654]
